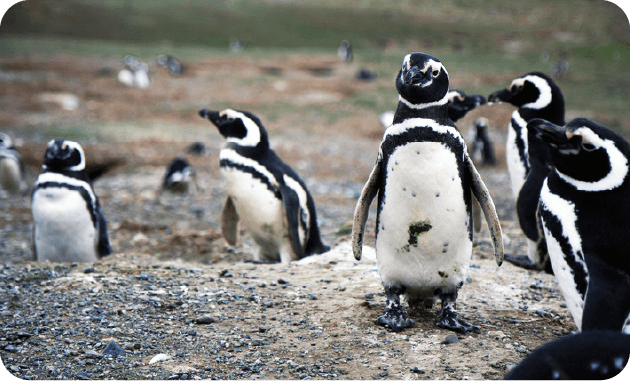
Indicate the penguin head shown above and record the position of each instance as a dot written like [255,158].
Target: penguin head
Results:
[534,90]
[239,127]
[586,154]
[64,155]
[5,141]
[422,79]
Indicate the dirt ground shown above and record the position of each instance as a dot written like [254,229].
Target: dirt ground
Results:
[517,310]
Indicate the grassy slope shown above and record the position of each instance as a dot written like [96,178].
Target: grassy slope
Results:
[491,38]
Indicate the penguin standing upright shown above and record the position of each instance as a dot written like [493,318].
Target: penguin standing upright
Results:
[180,177]
[263,192]
[536,96]
[12,171]
[423,177]
[68,224]
[585,214]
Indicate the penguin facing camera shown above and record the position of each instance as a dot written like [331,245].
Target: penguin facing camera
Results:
[423,177]
[536,96]
[344,51]
[482,148]
[12,170]
[68,224]
[264,193]
[135,73]
[584,211]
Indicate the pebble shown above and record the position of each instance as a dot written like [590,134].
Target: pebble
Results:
[415,369]
[92,354]
[283,281]
[206,319]
[159,357]
[112,349]
[450,339]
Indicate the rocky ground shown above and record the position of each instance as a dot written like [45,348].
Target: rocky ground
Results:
[175,302]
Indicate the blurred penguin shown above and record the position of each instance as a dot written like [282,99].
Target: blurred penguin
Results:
[482,148]
[344,52]
[135,73]
[12,170]
[173,65]
[179,178]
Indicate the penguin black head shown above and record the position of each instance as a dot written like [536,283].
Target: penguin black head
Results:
[239,127]
[178,172]
[64,155]
[586,154]
[422,79]
[533,90]
[459,104]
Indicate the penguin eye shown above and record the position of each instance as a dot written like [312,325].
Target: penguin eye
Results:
[435,73]
[588,146]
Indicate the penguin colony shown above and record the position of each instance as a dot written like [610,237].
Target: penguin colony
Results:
[570,183]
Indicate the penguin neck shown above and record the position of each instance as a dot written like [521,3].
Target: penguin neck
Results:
[436,110]
[79,175]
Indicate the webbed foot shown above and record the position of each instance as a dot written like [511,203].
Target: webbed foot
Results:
[395,317]
[448,316]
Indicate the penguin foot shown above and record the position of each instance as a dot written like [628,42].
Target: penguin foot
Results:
[396,320]
[456,324]
[522,261]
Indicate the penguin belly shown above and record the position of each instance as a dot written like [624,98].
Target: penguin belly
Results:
[423,241]
[565,230]
[63,227]
[9,175]
[260,211]
[516,167]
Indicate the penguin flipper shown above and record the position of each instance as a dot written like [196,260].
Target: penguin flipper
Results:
[292,212]
[104,247]
[361,211]
[229,222]
[482,195]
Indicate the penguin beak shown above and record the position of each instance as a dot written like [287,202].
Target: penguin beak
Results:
[212,116]
[478,99]
[415,76]
[555,136]
[500,96]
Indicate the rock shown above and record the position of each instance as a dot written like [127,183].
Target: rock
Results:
[82,376]
[450,339]
[415,369]
[92,354]
[282,281]
[159,357]
[112,349]
[205,320]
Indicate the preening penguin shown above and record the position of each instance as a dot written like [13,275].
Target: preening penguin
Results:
[596,355]
[264,192]
[12,171]
[536,96]
[423,177]
[68,224]
[584,209]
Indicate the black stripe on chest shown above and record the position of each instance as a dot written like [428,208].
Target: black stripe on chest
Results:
[82,191]
[226,163]
[520,144]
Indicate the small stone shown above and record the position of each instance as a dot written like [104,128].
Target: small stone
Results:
[88,270]
[10,348]
[205,320]
[282,281]
[159,357]
[450,339]
[113,349]
[82,376]
[369,295]
[226,274]
[92,354]
[415,369]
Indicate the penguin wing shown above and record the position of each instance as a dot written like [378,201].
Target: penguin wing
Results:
[229,222]
[370,190]
[487,205]
[292,212]
[104,247]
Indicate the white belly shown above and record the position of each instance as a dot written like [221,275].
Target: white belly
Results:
[515,165]
[260,211]
[63,227]
[423,188]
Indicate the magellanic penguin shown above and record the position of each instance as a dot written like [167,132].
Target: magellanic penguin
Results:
[585,213]
[12,170]
[423,177]
[459,104]
[180,177]
[536,96]
[68,224]
[263,191]
[593,355]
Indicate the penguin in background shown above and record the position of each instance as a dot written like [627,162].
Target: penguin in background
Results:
[12,169]
[482,146]
[68,224]
[593,355]
[536,96]
[423,177]
[135,73]
[585,215]
[173,65]
[344,51]
[263,192]
[180,177]
[459,104]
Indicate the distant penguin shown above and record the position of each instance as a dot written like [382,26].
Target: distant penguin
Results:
[179,176]
[344,52]
[459,104]
[266,194]
[135,73]
[528,162]
[423,177]
[197,148]
[173,65]
[585,213]
[594,355]
[482,145]
[68,224]
[12,170]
